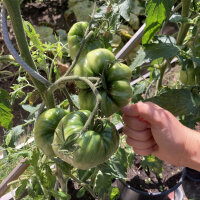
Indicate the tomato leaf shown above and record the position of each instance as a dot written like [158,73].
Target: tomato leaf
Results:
[177,101]
[125,8]
[102,183]
[5,109]
[21,189]
[153,163]
[157,11]
[13,135]
[60,195]
[164,47]
[114,193]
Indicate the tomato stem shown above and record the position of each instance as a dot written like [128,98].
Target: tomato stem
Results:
[85,39]
[87,80]
[85,185]
[162,69]
[185,25]
[72,105]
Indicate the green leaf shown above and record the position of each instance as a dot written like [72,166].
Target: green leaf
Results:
[114,194]
[31,109]
[161,50]
[34,37]
[35,157]
[177,101]
[14,134]
[5,110]
[60,195]
[140,59]
[102,183]
[118,163]
[164,47]
[153,164]
[157,11]
[21,189]
[124,9]
[81,193]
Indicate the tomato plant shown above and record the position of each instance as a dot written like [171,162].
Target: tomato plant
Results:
[82,141]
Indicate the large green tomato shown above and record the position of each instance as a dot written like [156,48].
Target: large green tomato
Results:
[75,37]
[45,127]
[91,148]
[115,85]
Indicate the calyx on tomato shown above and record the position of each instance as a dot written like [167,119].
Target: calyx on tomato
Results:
[45,127]
[115,81]
[75,37]
[91,147]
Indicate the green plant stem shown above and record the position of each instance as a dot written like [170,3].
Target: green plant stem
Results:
[13,8]
[85,185]
[61,179]
[79,53]
[41,185]
[7,58]
[87,80]
[184,26]
[72,105]
[160,80]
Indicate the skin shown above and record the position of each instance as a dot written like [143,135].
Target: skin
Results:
[151,129]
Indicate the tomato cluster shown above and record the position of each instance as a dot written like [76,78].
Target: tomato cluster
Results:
[60,133]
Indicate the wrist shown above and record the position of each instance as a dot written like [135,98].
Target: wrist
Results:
[191,157]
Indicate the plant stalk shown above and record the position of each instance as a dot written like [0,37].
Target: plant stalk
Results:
[79,53]
[72,105]
[160,80]
[86,186]
[185,25]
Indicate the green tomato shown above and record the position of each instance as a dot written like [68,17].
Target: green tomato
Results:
[187,77]
[89,149]
[115,85]
[45,127]
[75,37]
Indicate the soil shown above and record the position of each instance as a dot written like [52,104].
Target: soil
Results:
[147,181]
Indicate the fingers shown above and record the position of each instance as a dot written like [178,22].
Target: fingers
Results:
[135,123]
[150,112]
[142,145]
[144,152]
[141,141]
[143,135]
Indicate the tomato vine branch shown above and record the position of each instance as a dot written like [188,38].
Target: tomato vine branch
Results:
[71,103]
[87,80]
[85,39]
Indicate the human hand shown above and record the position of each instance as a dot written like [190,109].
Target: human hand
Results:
[151,129]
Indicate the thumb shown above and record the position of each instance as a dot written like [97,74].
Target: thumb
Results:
[148,111]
